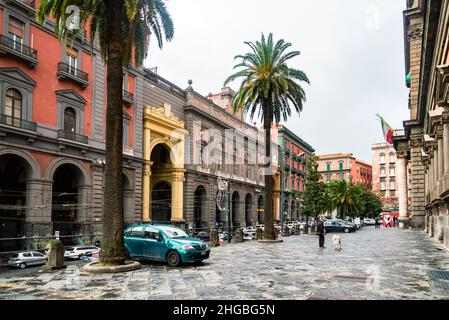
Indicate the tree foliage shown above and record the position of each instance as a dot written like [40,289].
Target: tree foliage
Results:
[268,88]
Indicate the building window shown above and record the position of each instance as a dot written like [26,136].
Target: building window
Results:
[328,177]
[392,169]
[16,30]
[13,104]
[340,166]
[382,158]
[126,122]
[383,185]
[328,166]
[382,171]
[392,157]
[69,120]
[71,57]
[392,184]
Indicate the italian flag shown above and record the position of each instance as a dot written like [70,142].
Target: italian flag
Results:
[386,129]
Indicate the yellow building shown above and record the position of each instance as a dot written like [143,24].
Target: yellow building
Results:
[164,169]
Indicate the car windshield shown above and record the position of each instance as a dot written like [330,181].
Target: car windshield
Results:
[172,232]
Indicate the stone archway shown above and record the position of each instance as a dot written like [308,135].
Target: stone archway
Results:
[161,202]
[68,202]
[128,199]
[260,210]
[235,205]
[15,198]
[249,210]
[200,212]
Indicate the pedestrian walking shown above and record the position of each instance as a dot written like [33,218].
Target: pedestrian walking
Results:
[376,223]
[321,232]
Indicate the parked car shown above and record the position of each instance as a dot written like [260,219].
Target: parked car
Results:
[203,235]
[27,258]
[369,221]
[164,243]
[79,251]
[249,235]
[94,258]
[335,225]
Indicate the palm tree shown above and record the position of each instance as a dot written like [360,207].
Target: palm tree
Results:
[345,197]
[269,86]
[123,29]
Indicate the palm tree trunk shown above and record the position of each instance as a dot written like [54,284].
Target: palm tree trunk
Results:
[113,250]
[268,206]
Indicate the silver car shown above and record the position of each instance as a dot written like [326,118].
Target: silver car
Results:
[27,258]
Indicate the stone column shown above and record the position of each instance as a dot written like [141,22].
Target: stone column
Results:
[435,171]
[177,212]
[146,183]
[402,189]
[276,205]
[417,178]
[38,207]
[445,119]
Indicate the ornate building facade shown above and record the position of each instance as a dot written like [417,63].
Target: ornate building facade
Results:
[424,141]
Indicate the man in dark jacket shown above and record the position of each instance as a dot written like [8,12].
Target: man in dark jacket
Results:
[321,232]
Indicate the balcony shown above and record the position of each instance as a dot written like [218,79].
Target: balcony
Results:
[29,6]
[72,136]
[69,73]
[127,97]
[14,48]
[17,123]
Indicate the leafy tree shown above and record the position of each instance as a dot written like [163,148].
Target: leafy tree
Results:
[314,197]
[269,87]
[371,203]
[123,30]
[345,198]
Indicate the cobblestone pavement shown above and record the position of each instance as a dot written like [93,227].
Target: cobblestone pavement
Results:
[373,264]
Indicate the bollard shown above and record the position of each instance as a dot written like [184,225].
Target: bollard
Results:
[55,254]
[259,233]
[239,235]
[214,238]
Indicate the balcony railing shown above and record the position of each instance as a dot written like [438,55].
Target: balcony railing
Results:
[128,97]
[67,72]
[18,49]
[72,136]
[18,123]
[29,3]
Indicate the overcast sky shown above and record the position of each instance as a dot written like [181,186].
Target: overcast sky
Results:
[351,50]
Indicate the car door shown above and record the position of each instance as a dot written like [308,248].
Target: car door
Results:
[154,245]
[28,258]
[39,258]
[135,241]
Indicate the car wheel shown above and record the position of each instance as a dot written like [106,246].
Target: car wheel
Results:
[173,258]
[127,254]
[22,265]
[346,230]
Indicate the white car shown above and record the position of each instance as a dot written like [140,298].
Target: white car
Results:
[27,258]
[250,235]
[369,221]
[80,251]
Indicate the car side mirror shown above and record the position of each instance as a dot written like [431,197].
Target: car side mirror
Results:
[159,237]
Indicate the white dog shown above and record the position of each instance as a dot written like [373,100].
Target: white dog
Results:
[337,241]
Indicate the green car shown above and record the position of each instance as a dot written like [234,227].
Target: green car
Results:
[164,243]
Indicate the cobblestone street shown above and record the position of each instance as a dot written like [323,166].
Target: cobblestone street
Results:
[373,264]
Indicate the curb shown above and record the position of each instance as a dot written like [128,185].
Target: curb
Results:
[270,241]
[128,266]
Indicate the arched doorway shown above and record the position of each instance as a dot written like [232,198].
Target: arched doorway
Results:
[285,209]
[235,204]
[248,209]
[66,201]
[200,219]
[14,172]
[161,193]
[161,203]
[128,200]
[294,213]
[260,210]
